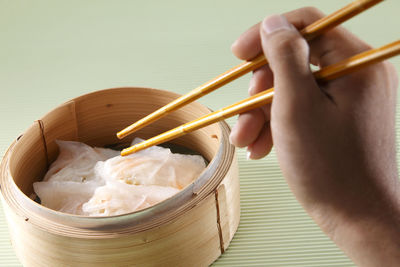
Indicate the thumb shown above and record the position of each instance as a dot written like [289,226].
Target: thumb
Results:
[288,56]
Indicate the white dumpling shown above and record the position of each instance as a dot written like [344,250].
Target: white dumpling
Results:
[153,166]
[76,162]
[116,198]
[99,182]
[65,196]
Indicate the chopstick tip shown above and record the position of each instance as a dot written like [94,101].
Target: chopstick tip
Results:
[126,152]
[120,135]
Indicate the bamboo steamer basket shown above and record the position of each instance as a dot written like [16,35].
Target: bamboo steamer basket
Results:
[192,228]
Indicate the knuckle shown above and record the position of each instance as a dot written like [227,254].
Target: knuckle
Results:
[289,43]
[311,10]
[305,15]
[383,73]
[391,73]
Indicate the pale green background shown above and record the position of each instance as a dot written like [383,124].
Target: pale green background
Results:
[51,51]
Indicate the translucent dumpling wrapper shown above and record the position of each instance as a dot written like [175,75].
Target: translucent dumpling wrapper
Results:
[98,182]
[65,196]
[154,166]
[76,162]
[119,198]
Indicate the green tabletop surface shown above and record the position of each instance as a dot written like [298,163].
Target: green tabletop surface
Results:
[52,51]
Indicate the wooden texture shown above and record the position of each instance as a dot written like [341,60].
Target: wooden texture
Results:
[328,73]
[192,228]
[358,61]
[80,47]
[308,33]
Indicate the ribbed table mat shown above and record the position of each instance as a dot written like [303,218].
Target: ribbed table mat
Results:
[274,229]
[52,51]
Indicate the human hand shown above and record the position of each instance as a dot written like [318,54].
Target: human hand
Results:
[335,142]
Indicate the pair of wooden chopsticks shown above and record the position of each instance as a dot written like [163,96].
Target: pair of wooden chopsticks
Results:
[333,71]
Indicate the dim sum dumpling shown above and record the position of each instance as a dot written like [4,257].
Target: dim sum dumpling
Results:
[118,198]
[99,182]
[76,162]
[65,196]
[154,166]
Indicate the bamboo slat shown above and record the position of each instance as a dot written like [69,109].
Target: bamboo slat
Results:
[191,228]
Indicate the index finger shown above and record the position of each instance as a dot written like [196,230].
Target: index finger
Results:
[248,45]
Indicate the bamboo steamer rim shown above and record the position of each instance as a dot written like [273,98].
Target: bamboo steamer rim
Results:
[110,226]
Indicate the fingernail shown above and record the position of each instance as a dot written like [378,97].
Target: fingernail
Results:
[275,23]
[248,155]
[251,85]
[234,44]
[232,135]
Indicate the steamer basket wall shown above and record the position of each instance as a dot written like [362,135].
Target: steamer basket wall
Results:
[192,228]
